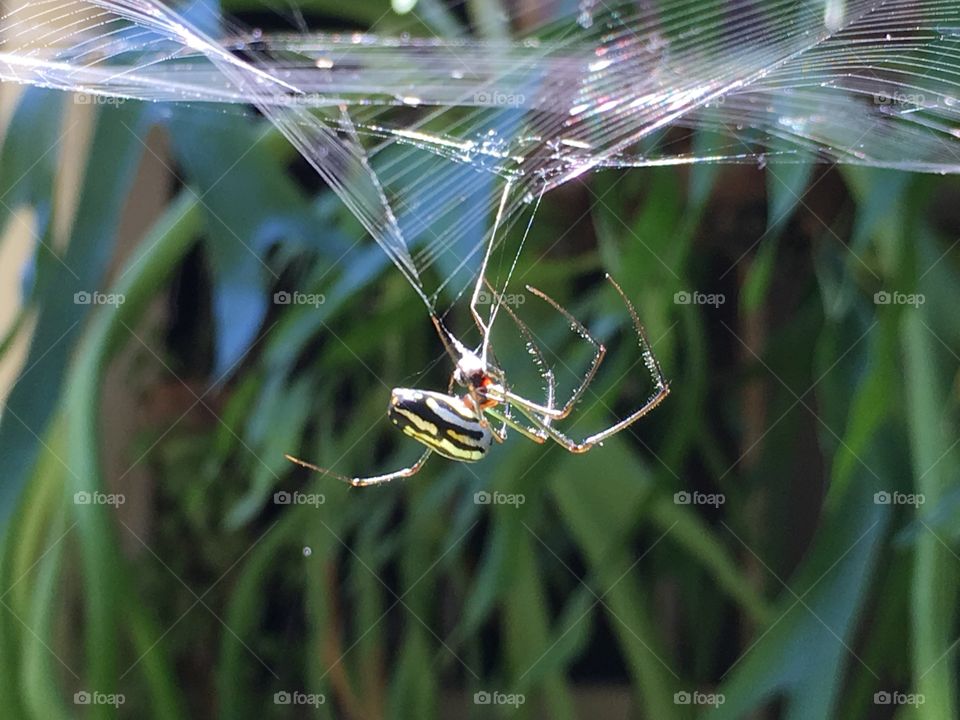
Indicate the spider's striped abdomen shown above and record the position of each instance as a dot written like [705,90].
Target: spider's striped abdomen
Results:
[444,423]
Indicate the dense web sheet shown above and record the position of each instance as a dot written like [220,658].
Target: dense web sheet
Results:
[422,136]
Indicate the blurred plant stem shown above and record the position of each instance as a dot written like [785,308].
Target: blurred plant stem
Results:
[104,572]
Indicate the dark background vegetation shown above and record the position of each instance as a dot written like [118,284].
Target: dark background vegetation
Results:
[798,399]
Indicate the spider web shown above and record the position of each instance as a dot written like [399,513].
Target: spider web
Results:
[425,139]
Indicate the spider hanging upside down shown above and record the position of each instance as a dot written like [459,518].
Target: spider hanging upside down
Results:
[458,428]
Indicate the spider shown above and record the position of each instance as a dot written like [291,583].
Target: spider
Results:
[457,427]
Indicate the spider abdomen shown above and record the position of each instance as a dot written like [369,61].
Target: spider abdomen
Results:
[444,423]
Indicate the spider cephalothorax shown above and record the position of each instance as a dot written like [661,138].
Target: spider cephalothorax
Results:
[471,372]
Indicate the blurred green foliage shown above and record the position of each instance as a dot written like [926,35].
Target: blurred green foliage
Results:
[797,399]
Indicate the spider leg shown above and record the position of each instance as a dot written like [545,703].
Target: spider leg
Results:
[496,302]
[589,443]
[546,373]
[454,347]
[484,327]
[649,359]
[363,482]
[499,434]
[539,416]
[600,350]
[534,433]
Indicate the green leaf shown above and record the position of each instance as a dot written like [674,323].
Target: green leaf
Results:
[104,578]
[802,653]
[250,203]
[28,161]
[602,517]
[114,153]
[936,567]
[760,275]
[528,639]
